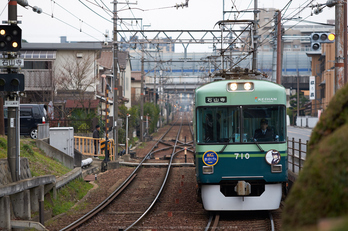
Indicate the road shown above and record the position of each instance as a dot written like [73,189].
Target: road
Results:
[299,133]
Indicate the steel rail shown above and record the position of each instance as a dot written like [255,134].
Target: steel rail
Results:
[272,221]
[112,196]
[216,222]
[209,222]
[163,184]
[100,207]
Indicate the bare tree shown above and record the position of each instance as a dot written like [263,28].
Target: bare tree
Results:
[76,74]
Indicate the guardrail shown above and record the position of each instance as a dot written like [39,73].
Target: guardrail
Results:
[86,146]
[296,154]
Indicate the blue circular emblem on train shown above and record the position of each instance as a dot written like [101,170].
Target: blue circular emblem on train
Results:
[210,158]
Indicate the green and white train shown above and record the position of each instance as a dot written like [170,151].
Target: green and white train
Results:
[241,144]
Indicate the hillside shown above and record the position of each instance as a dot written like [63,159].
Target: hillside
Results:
[321,189]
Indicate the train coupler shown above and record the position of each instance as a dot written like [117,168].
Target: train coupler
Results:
[242,188]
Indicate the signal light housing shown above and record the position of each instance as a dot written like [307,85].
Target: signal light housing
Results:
[12,82]
[318,38]
[10,38]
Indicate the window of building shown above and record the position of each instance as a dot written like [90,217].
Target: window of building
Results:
[36,64]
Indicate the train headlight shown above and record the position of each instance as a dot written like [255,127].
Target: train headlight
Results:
[233,86]
[247,86]
[208,169]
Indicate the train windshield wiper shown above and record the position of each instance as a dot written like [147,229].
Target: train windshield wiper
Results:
[228,142]
[257,144]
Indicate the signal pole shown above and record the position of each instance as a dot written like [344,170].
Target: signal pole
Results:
[13,101]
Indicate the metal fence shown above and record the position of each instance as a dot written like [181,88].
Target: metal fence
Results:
[296,154]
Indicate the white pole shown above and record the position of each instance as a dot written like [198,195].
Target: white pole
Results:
[127,133]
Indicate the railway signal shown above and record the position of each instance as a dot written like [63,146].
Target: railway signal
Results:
[10,38]
[318,38]
[11,82]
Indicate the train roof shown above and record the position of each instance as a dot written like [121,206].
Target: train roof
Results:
[264,92]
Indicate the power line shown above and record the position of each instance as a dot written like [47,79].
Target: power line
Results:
[94,11]
[79,29]
[299,10]
[66,23]
[76,16]
[104,9]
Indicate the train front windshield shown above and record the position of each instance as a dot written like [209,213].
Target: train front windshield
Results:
[241,124]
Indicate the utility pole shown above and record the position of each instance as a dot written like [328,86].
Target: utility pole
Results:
[254,65]
[279,45]
[115,81]
[274,46]
[339,45]
[154,86]
[142,96]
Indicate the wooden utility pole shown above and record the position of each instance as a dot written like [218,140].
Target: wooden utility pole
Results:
[339,45]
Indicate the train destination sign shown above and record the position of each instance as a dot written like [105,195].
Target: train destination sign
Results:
[222,99]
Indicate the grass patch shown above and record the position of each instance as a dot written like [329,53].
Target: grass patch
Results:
[3,147]
[68,196]
[39,163]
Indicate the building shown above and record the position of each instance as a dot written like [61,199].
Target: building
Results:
[60,71]
[323,68]
[105,75]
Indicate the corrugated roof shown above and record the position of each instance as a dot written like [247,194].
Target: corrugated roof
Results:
[106,59]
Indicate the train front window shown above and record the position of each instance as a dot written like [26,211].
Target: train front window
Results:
[241,124]
[218,124]
[264,123]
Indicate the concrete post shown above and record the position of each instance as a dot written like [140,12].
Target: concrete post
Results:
[34,199]
[21,205]
[5,213]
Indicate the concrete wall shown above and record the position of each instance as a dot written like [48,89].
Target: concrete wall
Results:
[50,151]
[306,121]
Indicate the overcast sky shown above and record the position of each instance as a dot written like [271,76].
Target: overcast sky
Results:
[200,14]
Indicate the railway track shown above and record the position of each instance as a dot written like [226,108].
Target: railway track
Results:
[110,205]
[252,220]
